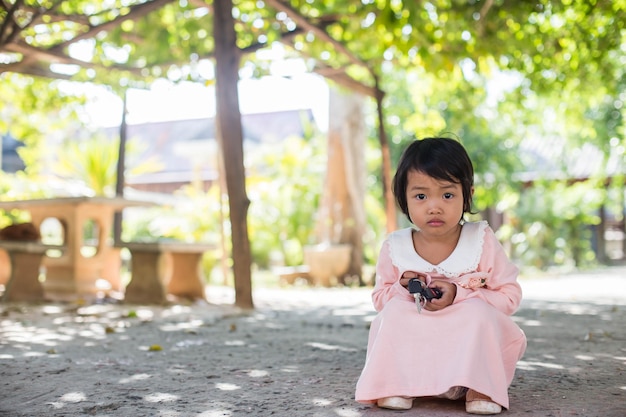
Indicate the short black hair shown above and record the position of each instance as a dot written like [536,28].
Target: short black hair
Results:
[441,158]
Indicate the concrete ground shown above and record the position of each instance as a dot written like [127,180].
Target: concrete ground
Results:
[298,354]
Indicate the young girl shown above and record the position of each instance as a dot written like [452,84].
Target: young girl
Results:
[463,344]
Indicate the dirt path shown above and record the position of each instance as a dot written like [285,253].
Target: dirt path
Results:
[298,354]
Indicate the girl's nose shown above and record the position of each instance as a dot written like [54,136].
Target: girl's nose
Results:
[433,208]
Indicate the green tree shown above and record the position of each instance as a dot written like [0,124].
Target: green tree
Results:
[31,108]
[552,223]
[93,160]
[285,194]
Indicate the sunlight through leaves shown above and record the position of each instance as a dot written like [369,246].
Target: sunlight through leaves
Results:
[161,397]
[224,386]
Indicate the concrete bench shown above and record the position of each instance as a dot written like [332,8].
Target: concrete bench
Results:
[25,258]
[289,274]
[162,268]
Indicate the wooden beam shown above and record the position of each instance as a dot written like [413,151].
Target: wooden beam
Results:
[57,52]
[39,54]
[10,28]
[337,75]
[136,11]
[40,60]
[200,4]
[38,71]
[319,32]
[340,77]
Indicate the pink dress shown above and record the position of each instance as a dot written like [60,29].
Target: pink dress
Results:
[472,343]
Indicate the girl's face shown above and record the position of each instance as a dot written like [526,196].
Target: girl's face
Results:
[435,206]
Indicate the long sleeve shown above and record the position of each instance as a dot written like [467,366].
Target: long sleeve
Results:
[387,284]
[502,289]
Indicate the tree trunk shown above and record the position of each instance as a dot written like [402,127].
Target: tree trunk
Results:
[230,139]
[121,167]
[342,210]
[390,202]
[600,234]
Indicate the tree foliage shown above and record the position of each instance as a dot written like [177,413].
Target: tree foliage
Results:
[437,62]
[562,51]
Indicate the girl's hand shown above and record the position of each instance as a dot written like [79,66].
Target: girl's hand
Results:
[408,275]
[448,290]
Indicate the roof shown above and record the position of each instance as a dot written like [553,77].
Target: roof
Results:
[553,158]
[186,146]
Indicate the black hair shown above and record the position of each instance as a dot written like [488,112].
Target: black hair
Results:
[441,158]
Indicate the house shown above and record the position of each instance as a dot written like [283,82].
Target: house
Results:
[186,150]
[551,158]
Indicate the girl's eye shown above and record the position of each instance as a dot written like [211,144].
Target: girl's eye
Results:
[421,196]
[448,196]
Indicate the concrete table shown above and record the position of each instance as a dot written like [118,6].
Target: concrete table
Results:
[72,274]
[166,267]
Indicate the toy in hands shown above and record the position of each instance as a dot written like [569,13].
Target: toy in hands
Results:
[422,293]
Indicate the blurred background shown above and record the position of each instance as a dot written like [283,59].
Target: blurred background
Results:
[328,94]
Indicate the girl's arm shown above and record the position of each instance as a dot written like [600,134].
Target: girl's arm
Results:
[502,289]
[387,280]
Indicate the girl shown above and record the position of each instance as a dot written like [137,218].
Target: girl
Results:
[463,344]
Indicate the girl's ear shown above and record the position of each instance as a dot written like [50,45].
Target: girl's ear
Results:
[472,191]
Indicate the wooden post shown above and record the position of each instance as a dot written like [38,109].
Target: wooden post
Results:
[230,139]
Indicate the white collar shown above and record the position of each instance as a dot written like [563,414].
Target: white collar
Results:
[463,259]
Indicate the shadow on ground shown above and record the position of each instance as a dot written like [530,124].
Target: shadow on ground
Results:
[298,354]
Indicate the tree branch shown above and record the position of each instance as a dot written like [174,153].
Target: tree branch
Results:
[56,53]
[136,11]
[339,76]
[483,13]
[319,32]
